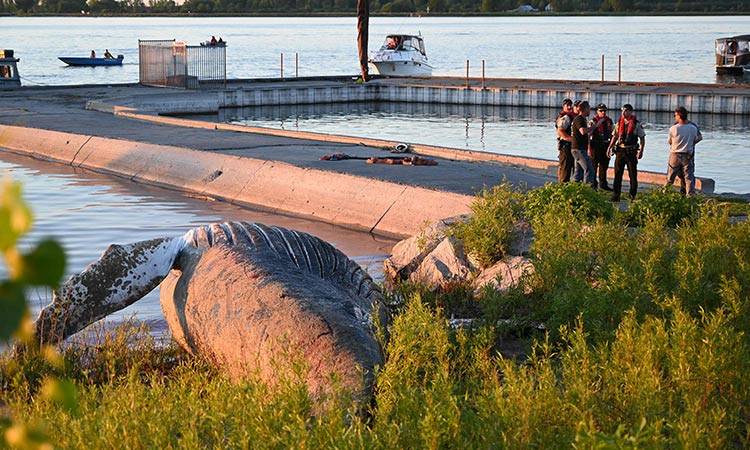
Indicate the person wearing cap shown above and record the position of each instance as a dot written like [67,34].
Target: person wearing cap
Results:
[600,137]
[583,168]
[683,136]
[628,142]
[564,156]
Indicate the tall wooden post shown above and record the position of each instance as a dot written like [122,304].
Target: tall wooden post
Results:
[467,73]
[483,75]
[363,21]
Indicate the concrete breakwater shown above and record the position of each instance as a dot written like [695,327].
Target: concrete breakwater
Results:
[697,98]
[355,202]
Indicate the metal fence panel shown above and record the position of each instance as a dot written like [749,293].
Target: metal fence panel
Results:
[172,63]
[207,62]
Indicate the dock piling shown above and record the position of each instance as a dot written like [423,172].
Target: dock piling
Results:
[482,74]
[467,74]
[602,67]
[619,68]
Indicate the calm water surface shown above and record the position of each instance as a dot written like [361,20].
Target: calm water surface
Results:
[723,154]
[653,48]
[87,212]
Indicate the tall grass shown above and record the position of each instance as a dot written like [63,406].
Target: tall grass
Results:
[668,380]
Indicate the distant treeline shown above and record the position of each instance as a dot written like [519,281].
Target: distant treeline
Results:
[302,7]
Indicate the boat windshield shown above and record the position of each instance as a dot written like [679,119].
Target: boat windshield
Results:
[403,43]
[732,46]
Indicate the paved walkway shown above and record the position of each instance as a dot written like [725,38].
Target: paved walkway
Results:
[62,109]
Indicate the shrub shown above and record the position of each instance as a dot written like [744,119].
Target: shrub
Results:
[580,199]
[595,271]
[665,203]
[490,230]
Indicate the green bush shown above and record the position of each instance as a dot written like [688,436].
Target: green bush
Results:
[580,199]
[599,271]
[595,271]
[664,203]
[490,230]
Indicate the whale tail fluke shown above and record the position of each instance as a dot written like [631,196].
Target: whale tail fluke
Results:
[120,277]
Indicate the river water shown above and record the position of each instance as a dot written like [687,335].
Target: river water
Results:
[655,48]
[86,212]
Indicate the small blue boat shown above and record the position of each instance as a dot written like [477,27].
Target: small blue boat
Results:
[91,62]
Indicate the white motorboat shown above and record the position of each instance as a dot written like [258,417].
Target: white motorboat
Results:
[402,55]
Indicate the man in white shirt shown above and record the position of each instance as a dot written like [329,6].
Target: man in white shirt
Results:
[683,136]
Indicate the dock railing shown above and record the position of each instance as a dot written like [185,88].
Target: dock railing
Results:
[173,63]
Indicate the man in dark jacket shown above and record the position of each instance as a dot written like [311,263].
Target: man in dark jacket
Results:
[600,137]
[583,168]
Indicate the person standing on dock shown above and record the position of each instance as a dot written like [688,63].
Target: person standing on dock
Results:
[601,134]
[580,132]
[683,136]
[628,142]
[564,156]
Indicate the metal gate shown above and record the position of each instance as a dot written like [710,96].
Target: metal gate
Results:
[172,63]
[206,64]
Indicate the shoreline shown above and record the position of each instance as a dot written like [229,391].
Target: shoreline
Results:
[416,15]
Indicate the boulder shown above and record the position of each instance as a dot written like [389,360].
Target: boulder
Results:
[252,313]
[523,237]
[446,263]
[504,274]
[408,254]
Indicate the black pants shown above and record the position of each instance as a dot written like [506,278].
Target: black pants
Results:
[625,158]
[566,161]
[601,163]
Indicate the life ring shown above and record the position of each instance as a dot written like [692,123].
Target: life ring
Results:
[401,148]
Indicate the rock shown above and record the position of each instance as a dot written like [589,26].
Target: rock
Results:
[504,274]
[251,313]
[446,263]
[433,259]
[523,237]
[408,254]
